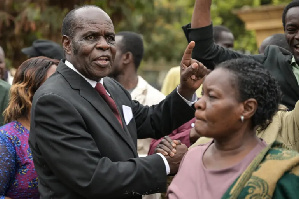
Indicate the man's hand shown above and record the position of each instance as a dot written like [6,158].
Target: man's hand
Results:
[174,161]
[173,150]
[167,146]
[192,73]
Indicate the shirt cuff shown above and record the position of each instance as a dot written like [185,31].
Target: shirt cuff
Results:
[166,163]
[190,103]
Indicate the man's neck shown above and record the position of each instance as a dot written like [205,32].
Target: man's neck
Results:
[129,82]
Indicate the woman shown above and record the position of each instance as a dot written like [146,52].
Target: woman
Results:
[18,178]
[238,97]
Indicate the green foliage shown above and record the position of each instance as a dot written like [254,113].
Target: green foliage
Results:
[159,21]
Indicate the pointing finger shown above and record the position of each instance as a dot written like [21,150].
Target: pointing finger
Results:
[187,56]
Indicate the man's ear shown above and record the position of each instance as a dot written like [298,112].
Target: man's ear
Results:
[66,42]
[250,106]
[127,58]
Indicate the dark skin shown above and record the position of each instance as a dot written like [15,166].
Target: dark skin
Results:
[92,51]
[92,48]
[167,146]
[291,31]
[226,40]
[124,69]
[218,116]
[192,73]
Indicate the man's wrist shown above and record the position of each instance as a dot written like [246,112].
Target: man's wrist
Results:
[165,162]
[193,99]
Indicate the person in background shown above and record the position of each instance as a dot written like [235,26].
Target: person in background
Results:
[3,71]
[4,86]
[130,49]
[4,96]
[43,47]
[18,178]
[222,37]
[128,57]
[283,65]
[239,96]
[275,39]
[84,125]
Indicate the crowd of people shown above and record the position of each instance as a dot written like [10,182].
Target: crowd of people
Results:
[79,122]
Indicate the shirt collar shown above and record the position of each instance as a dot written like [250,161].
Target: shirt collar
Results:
[91,82]
[294,63]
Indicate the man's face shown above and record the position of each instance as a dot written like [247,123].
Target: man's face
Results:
[2,65]
[226,40]
[117,65]
[92,48]
[291,30]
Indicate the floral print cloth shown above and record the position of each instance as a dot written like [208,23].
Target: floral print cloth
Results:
[18,178]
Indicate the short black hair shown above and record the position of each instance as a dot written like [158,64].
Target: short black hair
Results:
[217,32]
[132,42]
[69,22]
[294,3]
[253,81]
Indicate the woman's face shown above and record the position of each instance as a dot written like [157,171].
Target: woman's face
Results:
[218,111]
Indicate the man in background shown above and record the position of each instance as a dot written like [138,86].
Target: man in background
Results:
[4,97]
[283,65]
[130,50]
[222,37]
[4,86]
[3,74]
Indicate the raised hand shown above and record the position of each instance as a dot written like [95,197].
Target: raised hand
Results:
[192,73]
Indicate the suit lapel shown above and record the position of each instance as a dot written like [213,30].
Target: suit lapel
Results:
[91,95]
[111,90]
[288,71]
[292,81]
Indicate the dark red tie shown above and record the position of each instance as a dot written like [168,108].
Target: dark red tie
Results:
[111,103]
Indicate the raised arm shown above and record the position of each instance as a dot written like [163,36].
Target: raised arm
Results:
[201,14]
[201,31]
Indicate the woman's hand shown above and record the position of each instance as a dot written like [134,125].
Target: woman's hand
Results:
[167,146]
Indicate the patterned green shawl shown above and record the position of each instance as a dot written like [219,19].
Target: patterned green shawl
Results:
[274,173]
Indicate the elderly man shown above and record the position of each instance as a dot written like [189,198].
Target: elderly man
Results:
[84,125]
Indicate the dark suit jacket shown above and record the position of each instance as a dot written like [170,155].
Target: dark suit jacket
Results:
[275,59]
[81,151]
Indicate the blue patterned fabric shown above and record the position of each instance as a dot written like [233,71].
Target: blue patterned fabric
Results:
[18,178]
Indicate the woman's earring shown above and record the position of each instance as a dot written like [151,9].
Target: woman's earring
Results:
[242,118]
